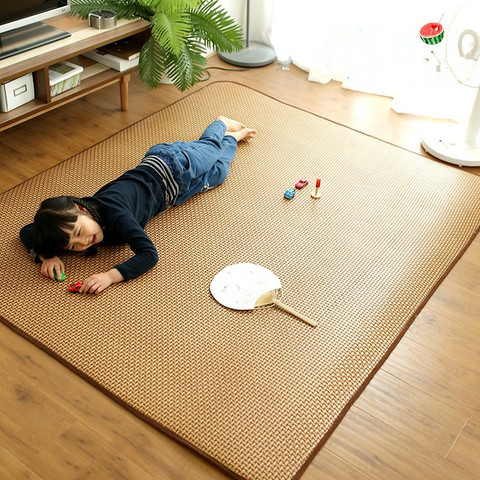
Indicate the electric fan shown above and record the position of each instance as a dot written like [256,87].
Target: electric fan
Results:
[254,54]
[455,144]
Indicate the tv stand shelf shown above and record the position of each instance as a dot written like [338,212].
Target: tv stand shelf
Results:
[83,38]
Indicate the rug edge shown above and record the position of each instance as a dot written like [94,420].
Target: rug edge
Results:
[158,426]
[361,388]
[385,357]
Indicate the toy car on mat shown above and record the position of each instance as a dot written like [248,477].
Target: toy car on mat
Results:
[301,183]
[75,287]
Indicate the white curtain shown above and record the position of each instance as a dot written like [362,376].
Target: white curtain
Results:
[369,45]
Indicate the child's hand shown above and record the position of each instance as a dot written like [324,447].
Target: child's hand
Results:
[100,281]
[49,265]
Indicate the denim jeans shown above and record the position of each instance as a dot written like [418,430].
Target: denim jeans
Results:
[199,165]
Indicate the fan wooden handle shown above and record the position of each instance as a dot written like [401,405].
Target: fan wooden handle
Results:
[288,309]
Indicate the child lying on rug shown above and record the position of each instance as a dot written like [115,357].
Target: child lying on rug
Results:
[168,175]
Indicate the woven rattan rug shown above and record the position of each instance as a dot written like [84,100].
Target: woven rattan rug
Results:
[256,392]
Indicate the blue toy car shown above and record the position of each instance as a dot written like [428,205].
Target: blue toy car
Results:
[289,193]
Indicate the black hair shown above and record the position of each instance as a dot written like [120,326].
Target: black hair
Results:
[53,221]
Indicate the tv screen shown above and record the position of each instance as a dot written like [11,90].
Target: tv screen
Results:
[20,24]
[17,13]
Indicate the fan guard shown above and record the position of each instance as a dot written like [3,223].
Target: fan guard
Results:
[456,144]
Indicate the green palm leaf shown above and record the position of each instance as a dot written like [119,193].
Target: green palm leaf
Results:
[181,30]
[128,9]
[171,31]
[170,6]
[211,23]
[187,69]
[152,63]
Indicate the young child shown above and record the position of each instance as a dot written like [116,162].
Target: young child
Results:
[168,175]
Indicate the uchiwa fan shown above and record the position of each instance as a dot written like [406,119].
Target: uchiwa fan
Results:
[461,145]
[244,286]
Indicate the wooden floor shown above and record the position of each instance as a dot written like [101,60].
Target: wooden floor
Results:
[419,418]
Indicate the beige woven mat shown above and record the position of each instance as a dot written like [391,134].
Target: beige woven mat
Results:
[257,392]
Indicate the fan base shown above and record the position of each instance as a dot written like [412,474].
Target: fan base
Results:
[255,55]
[450,146]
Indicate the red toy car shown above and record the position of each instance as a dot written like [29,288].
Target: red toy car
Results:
[75,287]
[301,183]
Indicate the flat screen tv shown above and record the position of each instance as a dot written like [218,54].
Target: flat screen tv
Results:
[21,26]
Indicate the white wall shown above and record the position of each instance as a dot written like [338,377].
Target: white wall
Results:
[235,8]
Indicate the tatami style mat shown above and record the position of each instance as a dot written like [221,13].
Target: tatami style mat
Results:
[256,392]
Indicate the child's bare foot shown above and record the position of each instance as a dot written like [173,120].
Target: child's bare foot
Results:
[236,129]
[244,133]
[232,125]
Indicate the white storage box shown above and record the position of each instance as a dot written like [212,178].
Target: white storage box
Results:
[16,92]
[63,76]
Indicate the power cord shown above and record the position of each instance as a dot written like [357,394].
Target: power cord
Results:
[222,68]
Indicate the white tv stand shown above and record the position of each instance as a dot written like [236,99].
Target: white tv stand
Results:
[83,38]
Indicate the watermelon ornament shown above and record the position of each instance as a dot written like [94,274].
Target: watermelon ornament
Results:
[432,33]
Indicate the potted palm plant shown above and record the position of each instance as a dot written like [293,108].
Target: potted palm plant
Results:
[180,34]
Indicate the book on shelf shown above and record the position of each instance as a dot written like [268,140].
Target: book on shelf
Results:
[63,76]
[125,48]
[112,61]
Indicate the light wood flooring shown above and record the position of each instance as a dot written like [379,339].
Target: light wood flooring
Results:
[419,418]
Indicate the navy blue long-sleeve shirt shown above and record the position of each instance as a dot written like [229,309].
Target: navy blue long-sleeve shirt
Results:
[125,205]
